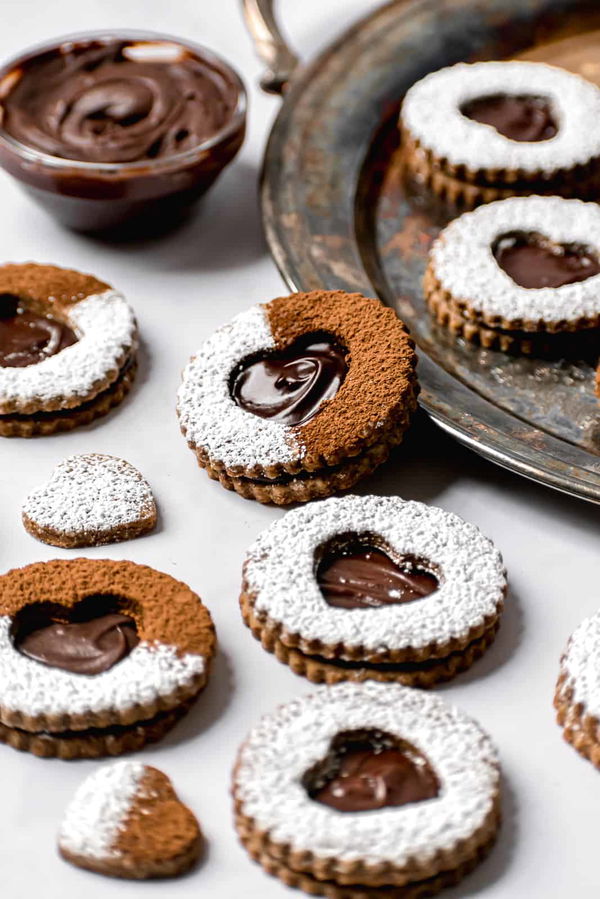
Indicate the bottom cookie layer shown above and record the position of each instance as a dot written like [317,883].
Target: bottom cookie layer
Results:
[579,729]
[95,742]
[150,869]
[45,423]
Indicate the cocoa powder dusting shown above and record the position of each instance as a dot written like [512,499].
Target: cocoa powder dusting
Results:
[381,362]
[158,825]
[163,609]
[39,285]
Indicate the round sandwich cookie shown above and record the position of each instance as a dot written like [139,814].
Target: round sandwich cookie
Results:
[477,132]
[126,820]
[519,275]
[68,345]
[90,500]
[300,397]
[577,695]
[97,657]
[363,791]
[373,588]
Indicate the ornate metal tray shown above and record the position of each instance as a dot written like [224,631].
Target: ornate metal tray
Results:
[338,213]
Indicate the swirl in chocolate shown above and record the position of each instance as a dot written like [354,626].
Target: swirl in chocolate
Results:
[534,261]
[373,771]
[80,647]
[117,101]
[518,118]
[27,338]
[291,386]
[362,577]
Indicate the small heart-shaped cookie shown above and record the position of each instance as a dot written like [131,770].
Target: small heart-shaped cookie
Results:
[90,500]
[126,820]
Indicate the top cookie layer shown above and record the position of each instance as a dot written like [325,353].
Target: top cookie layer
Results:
[431,114]
[378,385]
[581,665]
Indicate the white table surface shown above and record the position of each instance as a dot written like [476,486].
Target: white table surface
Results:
[182,287]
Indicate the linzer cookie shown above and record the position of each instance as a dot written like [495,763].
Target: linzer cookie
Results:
[577,696]
[479,132]
[97,657]
[126,820]
[90,500]
[300,397]
[518,274]
[363,791]
[373,587]
[68,346]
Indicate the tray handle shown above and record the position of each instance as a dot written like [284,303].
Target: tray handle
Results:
[271,46]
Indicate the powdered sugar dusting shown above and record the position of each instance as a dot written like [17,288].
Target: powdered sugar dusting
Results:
[464,263]
[149,672]
[280,572]
[106,327]
[287,743]
[581,662]
[91,493]
[94,818]
[431,113]
[208,415]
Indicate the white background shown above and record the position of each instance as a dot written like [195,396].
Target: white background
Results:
[182,287]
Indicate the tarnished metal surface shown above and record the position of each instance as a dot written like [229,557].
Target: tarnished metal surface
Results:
[337,214]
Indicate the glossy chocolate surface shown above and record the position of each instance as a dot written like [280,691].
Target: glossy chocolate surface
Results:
[365,771]
[358,576]
[27,338]
[90,646]
[518,118]
[534,261]
[291,386]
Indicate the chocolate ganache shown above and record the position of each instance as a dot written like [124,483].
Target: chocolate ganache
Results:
[291,386]
[358,576]
[518,118]
[534,261]
[368,770]
[88,647]
[117,101]
[27,338]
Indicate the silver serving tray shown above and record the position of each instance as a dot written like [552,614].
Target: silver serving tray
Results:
[338,214]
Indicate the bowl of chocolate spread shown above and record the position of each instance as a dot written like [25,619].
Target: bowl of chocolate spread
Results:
[112,131]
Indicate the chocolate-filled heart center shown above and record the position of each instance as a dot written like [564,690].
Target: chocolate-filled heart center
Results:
[354,574]
[368,770]
[88,639]
[27,338]
[535,261]
[291,386]
[520,118]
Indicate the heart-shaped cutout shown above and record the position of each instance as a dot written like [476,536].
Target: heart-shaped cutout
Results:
[90,500]
[291,386]
[126,820]
[369,770]
[533,260]
[520,118]
[27,338]
[354,573]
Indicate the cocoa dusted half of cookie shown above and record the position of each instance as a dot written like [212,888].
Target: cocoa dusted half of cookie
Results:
[367,791]
[97,657]
[373,588]
[68,345]
[300,397]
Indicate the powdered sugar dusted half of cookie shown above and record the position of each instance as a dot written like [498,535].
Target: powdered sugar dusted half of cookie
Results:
[431,114]
[90,499]
[280,574]
[463,261]
[284,746]
[580,666]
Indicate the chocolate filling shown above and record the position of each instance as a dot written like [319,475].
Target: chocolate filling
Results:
[535,261]
[355,574]
[522,118]
[117,101]
[27,338]
[291,386]
[369,770]
[90,639]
